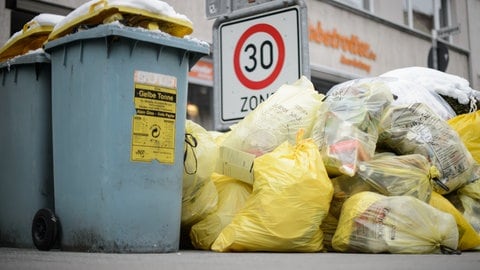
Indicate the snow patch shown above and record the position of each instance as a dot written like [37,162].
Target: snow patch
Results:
[443,83]
[154,6]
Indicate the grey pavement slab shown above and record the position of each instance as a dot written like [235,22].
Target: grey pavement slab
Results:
[12,258]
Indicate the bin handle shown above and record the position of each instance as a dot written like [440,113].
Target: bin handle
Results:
[29,24]
[94,6]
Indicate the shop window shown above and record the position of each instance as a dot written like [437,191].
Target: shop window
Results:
[200,105]
[18,19]
[366,5]
[25,10]
[321,85]
[425,15]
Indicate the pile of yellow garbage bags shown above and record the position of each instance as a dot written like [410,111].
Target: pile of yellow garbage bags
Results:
[348,171]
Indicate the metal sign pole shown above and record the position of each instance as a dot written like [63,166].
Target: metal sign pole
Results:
[434,49]
[439,50]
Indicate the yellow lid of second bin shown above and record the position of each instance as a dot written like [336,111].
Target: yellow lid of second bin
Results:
[31,37]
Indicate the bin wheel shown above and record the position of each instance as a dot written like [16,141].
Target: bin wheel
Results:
[44,229]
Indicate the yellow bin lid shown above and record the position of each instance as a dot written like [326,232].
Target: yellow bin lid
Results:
[101,11]
[31,37]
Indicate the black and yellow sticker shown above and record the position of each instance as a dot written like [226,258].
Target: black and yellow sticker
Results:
[153,127]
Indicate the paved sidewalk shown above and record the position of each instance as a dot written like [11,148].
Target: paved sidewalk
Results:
[18,259]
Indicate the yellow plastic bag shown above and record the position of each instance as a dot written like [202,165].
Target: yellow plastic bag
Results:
[374,223]
[232,195]
[199,196]
[345,187]
[387,174]
[291,196]
[468,237]
[468,128]
[416,129]
[467,201]
[277,119]
[328,227]
[346,129]
[394,175]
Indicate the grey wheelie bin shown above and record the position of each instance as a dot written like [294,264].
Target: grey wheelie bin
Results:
[119,97]
[26,172]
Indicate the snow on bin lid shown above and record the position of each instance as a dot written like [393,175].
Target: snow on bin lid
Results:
[31,37]
[145,13]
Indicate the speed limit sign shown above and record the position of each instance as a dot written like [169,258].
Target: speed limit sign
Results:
[256,55]
[265,54]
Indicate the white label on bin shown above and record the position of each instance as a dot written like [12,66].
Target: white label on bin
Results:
[153,127]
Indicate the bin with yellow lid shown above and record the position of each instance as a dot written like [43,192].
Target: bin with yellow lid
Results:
[119,97]
[26,172]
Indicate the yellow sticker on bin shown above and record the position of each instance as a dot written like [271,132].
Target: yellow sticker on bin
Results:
[153,125]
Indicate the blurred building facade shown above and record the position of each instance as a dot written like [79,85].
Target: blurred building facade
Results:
[347,38]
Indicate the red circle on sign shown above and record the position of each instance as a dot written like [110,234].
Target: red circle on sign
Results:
[256,85]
